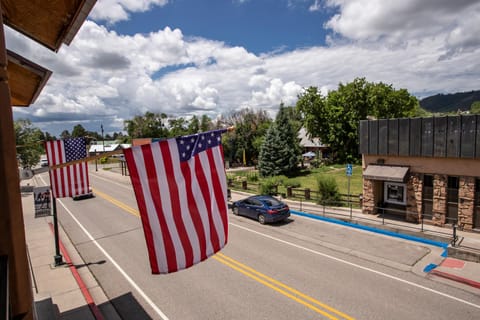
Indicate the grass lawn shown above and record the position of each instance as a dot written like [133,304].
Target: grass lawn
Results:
[308,178]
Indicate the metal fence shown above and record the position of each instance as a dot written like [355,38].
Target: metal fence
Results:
[309,201]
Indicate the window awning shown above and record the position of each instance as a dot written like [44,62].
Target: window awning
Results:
[386,173]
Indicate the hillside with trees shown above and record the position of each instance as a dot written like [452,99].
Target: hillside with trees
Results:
[444,103]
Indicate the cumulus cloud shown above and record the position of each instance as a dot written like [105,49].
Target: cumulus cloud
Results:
[113,11]
[424,46]
[400,22]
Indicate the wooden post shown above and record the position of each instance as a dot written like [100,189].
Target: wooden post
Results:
[12,229]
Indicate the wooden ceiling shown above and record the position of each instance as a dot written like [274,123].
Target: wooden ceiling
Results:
[49,22]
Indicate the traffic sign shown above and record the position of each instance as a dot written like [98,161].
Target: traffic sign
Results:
[349,169]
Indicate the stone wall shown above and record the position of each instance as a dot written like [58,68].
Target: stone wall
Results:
[414,198]
[466,202]
[439,210]
[369,200]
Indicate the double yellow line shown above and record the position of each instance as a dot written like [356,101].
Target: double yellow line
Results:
[117,203]
[281,288]
[271,283]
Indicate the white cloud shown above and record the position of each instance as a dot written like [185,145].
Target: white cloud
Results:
[399,22]
[113,11]
[106,77]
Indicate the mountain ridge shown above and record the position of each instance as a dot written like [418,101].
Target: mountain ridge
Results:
[450,102]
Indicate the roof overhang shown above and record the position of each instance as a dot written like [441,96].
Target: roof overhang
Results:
[25,79]
[385,173]
[50,23]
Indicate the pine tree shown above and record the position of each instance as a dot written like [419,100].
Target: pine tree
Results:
[280,151]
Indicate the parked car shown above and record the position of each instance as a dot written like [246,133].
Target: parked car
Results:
[264,208]
[87,195]
[44,162]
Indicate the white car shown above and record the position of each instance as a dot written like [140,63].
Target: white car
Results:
[44,162]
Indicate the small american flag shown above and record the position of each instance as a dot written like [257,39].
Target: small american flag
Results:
[71,180]
[181,190]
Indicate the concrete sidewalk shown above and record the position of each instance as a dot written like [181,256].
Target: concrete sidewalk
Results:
[67,291]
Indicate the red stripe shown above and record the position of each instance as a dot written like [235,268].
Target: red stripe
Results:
[157,201]
[194,212]
[218,191]
[202,181]
[175,202]
[137,188]
[453,277]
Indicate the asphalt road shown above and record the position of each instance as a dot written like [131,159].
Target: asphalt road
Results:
[300,269]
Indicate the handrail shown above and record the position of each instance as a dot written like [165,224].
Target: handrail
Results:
[4,296]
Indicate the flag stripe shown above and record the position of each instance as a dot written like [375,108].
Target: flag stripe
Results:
[131,159]
[159,210]
[71,180]
[180,186]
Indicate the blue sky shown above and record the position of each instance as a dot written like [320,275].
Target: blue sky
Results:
[199,57]
[260,26]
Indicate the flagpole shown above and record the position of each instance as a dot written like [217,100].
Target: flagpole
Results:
[58,256]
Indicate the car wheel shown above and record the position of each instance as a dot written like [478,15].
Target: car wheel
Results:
[235,211]
[261,219]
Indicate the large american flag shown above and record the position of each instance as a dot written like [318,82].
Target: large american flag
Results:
[181,190]
[71,180]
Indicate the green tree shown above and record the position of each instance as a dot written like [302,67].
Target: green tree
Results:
[336,117]
[29,143]
[65,134]
[250,128]
[79,131]
[280,151]
[475,107]
[151,125]
[178,127]
[206,123]
[193,125]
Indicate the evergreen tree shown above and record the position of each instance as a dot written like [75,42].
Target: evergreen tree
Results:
[280,151]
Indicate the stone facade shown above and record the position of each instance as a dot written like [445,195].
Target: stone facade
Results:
[439,210]
[369,201]
[466,202]
[414,198]
[414,206]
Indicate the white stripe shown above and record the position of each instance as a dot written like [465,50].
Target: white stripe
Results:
[197,194]
[65,172]
[158,245]
[185,211]
[167,209]
[413,284]
[217,220]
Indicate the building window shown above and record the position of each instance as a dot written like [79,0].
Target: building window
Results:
[395,193]
[427,196]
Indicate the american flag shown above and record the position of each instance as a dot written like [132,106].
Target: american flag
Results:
[71,180]
[181,190]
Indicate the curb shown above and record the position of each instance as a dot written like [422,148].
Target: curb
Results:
[449,276]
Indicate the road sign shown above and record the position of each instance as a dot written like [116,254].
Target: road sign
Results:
[349,170]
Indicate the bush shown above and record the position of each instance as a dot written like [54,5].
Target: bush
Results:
[252,177]
[269,186]
[103,160]
[327,189]
[294,183]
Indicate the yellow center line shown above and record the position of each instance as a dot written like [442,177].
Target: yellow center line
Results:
[274,284]
[117,203]
[252,273]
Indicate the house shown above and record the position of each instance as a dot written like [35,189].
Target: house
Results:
[423,169]
[107,146]
[312,145]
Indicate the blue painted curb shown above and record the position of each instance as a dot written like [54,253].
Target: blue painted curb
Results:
[376,230]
